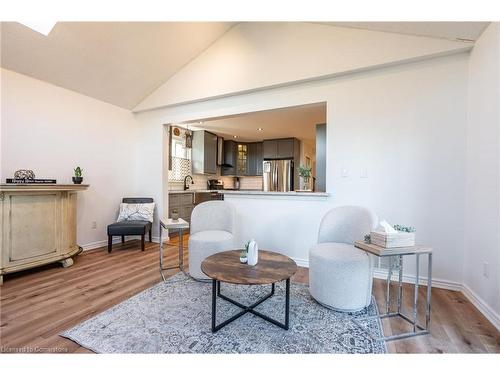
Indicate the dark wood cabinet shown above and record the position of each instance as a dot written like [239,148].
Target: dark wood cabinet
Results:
[204,152]
[254,159]
[280,148]
[285,148]
[270,149]
[242,159]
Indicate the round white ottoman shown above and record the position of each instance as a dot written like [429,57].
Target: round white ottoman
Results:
[340,276]
[205,243]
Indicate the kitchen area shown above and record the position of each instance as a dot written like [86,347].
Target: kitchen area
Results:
[280,152]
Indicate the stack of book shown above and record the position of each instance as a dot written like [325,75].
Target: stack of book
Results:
[399,239]
[30,181]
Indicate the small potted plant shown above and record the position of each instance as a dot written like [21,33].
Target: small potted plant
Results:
[305,174]
[244,253]
[77,179]
[175,214]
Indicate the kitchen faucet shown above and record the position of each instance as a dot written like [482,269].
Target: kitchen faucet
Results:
[186,186]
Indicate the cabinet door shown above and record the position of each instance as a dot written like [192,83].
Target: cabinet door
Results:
[258,159]
[242,161]
[186,199]
[185,212]
[251,163]
[285,148]
[270,149]
[210,148]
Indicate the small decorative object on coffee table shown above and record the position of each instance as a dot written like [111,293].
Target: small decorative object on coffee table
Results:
[244,254]
[252,253]
[77,179]
[175,214]
[226,267]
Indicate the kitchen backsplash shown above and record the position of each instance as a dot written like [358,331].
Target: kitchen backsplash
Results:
[200,182]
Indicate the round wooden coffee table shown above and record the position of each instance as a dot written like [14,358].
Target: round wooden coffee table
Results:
[270,269]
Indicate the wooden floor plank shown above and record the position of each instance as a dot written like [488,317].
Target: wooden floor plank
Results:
[36,305]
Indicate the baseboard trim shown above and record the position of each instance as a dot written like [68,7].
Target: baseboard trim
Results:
[482,306]
[117,240]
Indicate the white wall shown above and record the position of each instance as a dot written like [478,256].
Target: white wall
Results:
[262,55]
[51,130]
[405,124]
[482,236]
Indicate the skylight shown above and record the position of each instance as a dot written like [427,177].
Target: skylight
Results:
[40,26]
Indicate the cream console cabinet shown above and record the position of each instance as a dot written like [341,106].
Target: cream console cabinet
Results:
[37,225]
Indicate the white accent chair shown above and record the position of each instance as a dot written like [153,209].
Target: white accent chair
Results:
[212,231]
[341,275]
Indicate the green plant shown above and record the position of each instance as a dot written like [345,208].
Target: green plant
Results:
[402,228]
[78,172]
[368,238]
[243,254]
[175,210]
[305,171]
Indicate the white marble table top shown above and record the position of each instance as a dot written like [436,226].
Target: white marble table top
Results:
[169,223]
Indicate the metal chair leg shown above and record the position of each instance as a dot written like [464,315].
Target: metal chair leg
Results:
[110,243]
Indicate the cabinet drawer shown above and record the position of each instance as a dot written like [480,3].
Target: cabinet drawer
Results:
[174,200]
[186,199]
[186,212]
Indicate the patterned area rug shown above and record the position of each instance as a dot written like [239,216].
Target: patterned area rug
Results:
[175,317]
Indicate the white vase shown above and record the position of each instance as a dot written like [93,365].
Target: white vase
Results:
[253,253]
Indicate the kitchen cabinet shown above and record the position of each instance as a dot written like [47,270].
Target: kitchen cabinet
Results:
[183,202]
[242,159]
[270,149]
[254,166]
[204,152]
[286,148]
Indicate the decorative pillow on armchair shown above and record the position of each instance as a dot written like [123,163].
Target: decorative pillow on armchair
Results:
[136,211]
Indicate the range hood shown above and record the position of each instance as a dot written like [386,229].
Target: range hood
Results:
[222,159]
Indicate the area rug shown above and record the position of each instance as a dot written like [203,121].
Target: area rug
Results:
[175,317]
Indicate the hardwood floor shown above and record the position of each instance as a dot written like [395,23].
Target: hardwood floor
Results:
[36,305]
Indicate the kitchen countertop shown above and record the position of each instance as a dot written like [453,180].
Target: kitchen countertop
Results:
[276,193]
[256,192]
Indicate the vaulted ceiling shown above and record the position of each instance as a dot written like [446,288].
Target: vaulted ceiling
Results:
[117,62]
[124,62]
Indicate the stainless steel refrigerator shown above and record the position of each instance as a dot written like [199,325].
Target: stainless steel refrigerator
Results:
[278,175]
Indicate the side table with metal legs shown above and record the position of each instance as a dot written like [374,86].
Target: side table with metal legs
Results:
[170,224]
[396,264]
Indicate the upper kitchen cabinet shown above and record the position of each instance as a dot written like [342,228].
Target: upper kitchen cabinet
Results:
[204,152]
[242,159]
[254,161]
[286,148]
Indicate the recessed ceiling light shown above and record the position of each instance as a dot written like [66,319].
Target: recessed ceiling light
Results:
[200,122]
[41,26]
[260,129]
[235,136]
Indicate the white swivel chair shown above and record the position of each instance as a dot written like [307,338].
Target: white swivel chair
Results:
[340,275]
[212,231]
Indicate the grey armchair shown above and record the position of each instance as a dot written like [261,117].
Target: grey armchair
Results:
[340,275]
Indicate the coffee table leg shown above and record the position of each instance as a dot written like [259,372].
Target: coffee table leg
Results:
[287,304]
[214,303]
